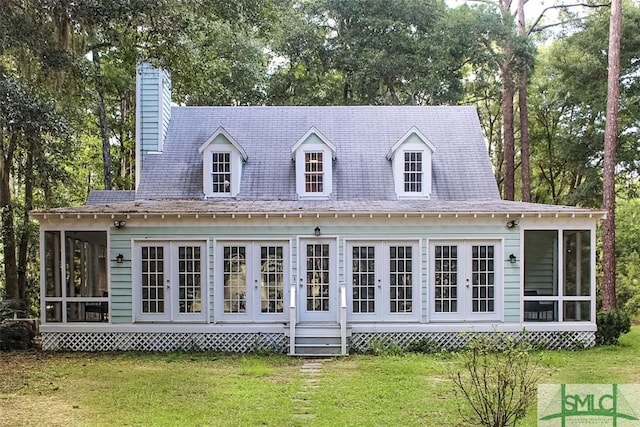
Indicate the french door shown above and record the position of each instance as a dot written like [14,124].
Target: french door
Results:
[250,280]
[466,280]
[383,280]
[317,290]
[170,281]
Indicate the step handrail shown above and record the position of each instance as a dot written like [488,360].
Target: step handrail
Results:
[343,319]
[292,319]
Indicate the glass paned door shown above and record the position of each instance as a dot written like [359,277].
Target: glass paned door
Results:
[363,275]
[482,278]
[318,290]
[383,281]
[400,279]
[153,282]
[317,278]
[235,279]
[170,279]
[272,279]
[364,272]
[189,279]
[250,280]
[445,268]
[464,280]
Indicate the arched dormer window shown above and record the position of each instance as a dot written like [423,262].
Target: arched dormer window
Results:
[222,159]
[313,155]
[411,162]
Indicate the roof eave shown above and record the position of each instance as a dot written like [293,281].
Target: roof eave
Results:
[70,214]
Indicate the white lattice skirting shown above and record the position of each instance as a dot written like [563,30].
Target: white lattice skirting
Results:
[279,343]
[165,341]
[363,342]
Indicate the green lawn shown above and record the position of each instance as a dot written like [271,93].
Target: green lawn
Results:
[203,389]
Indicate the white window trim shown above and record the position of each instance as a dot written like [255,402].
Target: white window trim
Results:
[221,142]
[465,314]
[412,141]
[314,142]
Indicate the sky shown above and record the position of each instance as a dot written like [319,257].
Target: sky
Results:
[532,8]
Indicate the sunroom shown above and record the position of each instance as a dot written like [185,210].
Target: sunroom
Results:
[75,286]
[558,275]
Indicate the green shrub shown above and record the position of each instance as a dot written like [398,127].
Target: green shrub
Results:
[424,345]
[628,283]
[383,347]
[498,380]
[611,324]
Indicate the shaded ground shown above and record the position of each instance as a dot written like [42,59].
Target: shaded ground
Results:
[22,372]
[15,368]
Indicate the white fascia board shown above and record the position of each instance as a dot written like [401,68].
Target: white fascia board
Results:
[316,132]
[222,131]
[582,217]
[413,131]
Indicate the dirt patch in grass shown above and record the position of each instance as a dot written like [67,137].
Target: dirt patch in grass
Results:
[18,372]
[24,411]
[17,367]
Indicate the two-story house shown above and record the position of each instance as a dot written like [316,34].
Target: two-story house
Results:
[310,230]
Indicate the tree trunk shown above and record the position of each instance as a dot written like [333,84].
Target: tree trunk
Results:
[507,129]
[104,126]
[524,116]
[507,111]
[23,247]
[6,205]
[610,143]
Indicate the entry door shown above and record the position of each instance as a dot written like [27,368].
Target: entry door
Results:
[465,280]
[317,290]
[170,279]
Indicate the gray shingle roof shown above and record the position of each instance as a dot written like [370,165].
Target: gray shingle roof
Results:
[293,208]
[362,136]
[101,197]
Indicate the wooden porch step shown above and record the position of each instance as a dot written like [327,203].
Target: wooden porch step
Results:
[317,343]
[317,349]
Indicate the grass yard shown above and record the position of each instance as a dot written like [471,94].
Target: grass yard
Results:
[132,389]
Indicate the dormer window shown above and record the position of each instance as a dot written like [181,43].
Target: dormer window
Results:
[222,159]
[313,175]
[221,173]
[413,175]
[411,162]
[313,155]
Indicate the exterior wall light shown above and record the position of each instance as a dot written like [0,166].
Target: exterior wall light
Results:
[317,231]
[512,223]
[119,224]
[512,259]
[119,258]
